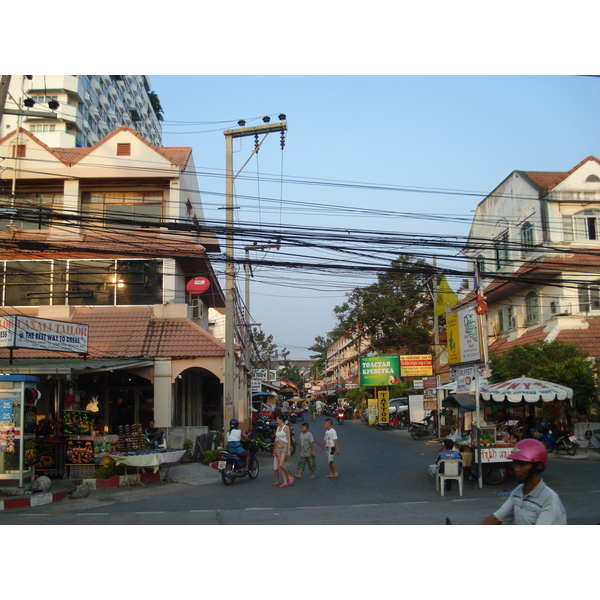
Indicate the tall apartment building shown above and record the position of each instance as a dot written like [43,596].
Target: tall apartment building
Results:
[90,107]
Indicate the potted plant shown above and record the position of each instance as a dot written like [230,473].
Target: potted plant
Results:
[187,446]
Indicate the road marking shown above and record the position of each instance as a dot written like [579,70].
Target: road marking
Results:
[594,491]
[150,512]
[32,515]
[203,510]
[265,508]
[466,500]
[92,514]
[355,505]
[426,502]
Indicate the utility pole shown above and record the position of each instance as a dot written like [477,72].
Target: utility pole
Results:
[230,401]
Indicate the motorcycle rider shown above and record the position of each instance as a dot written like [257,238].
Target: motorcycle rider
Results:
[532,502]
[234,441]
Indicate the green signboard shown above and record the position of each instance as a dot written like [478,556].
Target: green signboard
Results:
[377,371]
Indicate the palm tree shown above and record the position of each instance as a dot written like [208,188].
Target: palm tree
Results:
[156,107]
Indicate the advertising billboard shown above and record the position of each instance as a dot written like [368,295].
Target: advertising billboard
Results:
[463,336]
[416,365]
[378,371]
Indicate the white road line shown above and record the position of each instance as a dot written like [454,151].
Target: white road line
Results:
[150,512]
[426,502]
[466,500]
[92,514]
[264,508]
[203,510]
[358,505]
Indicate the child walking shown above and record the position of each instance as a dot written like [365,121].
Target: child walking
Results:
[307,452]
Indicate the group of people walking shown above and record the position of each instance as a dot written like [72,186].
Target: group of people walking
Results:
[282,452]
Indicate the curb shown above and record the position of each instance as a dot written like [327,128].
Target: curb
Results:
[92,484]
[28,501]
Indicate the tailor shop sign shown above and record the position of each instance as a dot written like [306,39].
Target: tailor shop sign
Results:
[378,371]
[18,331]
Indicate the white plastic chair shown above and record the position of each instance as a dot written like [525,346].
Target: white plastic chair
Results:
[452,466]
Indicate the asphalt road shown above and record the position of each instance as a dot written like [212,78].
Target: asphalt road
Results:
[383,481]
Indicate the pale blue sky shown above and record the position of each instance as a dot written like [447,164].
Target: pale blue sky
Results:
[444,132]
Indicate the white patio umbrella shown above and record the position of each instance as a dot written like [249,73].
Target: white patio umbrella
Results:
[525,389]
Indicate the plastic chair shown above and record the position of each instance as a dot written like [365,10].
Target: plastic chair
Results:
[453,469]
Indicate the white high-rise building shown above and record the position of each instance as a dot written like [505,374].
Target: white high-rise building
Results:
[90,107]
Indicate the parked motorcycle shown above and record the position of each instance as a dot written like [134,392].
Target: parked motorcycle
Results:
[263,445]
[422,429]
[340,415]
[263,429]
[558,441]
[233,467]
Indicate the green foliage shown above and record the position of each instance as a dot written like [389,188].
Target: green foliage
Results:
[395,313]
[188,445]
[210,456]
[156,107]
[108,471]
[319,350]
[556,361]
[263,350]
[289,370]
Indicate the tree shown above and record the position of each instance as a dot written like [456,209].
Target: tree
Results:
[156,107]
[289,370]
[555,361]
[264,350]
[394,314]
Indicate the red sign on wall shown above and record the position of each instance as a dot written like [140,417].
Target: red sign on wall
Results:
[197,285]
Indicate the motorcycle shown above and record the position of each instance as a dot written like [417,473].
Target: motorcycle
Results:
[263,445]
[423,429]
[395,422]
[233,467]
[557,441]
[263,430]
[339,413]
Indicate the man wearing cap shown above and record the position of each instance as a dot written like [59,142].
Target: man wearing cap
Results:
[532,502]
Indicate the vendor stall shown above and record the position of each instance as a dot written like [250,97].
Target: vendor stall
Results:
[152,459]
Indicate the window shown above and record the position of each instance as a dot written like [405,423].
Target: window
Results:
[123,149]
[505,319]
[592,179]
[527,241]
[584,225]
[19,151]
[589,297]
[532,311]
[81,282]
[123,209]
[480,261]
[42,128]
[502,255]
[33,211]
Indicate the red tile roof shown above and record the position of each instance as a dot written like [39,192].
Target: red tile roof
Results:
[132,332]
[587,339]
[547,180]
[177,155]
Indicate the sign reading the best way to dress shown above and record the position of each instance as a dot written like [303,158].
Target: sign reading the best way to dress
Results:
[463,336]
[20,331]
[379,371]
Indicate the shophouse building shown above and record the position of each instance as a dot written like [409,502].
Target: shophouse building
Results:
[89,108]
[110,236]
[536,240]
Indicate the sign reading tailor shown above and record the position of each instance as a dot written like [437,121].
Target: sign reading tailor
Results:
[379,371]
[416,365]
[198,285]
[18,331]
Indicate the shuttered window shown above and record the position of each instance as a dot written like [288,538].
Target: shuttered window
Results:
[123,149]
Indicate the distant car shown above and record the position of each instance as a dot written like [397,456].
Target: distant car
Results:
[398,404]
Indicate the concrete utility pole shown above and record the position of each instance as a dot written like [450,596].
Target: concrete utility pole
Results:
[230,401]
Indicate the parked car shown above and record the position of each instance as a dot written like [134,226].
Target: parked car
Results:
[398,404]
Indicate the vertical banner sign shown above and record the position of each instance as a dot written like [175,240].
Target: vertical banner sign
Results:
[377,371]
[430,393]
[372,405]
[383,399]
[463,336]
[465,378]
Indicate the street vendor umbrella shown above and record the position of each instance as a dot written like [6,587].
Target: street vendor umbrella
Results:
[525,389]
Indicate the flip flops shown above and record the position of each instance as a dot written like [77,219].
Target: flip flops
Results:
[284,485]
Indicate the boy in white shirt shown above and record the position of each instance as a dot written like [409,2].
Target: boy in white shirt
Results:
[331,442]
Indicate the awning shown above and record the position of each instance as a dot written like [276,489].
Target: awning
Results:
[464,402]
[57,366]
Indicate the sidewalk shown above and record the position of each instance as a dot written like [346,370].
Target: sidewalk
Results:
[188,473]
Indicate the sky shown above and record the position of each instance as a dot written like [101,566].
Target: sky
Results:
[427,146]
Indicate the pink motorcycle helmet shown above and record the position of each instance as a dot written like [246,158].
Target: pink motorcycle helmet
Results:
[530,450]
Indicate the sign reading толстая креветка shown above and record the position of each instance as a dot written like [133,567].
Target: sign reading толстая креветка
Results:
[379,370]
